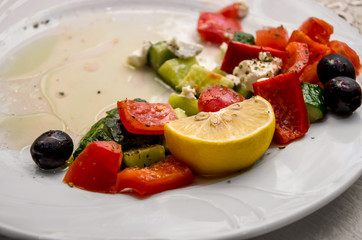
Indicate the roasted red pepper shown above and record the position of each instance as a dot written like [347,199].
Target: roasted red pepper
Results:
[161,176]
[96,167]
[274,37]
[237,52]
[348,52]
[317,29]
[316,52]
[298,57]
[284,93]
[145,118]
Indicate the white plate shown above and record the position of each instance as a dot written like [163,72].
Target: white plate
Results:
[283,186]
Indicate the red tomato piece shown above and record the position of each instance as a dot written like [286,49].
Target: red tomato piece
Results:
[145,118]
[216,28]
[161,176]
[237,52]
[233,10]
[345,50]
[298,57]
[316,52]
[214,98]
[272,37]
[317,29]
[96,167]
[284,92]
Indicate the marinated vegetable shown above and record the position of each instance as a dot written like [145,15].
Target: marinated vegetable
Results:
[161,176]
[52,149]
[110,128]
[285,95]
[314,101]
[96,168]
[144,156]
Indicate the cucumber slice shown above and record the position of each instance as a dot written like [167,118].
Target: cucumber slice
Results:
[189,105]
[314,101]
[174,70]
[243,91]
[158,54]
[200,78]
[180,113]
[144,157]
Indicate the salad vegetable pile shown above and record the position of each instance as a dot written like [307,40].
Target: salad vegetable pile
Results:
[267,88]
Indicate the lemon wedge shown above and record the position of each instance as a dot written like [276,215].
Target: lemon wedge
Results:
[218,143]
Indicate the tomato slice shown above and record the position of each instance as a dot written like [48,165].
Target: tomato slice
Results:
[237,52]
[161,176]
[216,97]
[145,118]
[317,29]
[284,92]
[345,50]
[274,37]
[216,28]
[96,167]
[298,57]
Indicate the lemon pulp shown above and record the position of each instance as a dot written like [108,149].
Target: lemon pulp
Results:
[218,143]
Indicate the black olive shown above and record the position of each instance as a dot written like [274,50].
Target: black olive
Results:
[342,95]
[52,149]
[335,65]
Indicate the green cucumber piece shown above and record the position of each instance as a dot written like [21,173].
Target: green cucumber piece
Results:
[158,54]
[180,113]
[243,37]
[219,71]
[174,70]
[189,105]
[143,157]
[200,78]
[314,101]
[244,92]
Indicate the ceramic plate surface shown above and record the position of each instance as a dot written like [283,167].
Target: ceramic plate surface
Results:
[285,185]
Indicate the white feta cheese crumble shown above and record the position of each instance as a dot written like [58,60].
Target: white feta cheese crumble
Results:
[138,58]
[184,49]
[250,71]
[188,92]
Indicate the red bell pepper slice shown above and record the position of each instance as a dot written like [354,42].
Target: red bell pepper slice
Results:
[161,176]
[298,57]
[317,29]
[145,118]
[237,52]
[274,37]
[215,28]
[345,50]
[96,167]
[284,93]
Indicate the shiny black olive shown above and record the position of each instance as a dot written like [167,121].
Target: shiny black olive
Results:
[52,149]
[334,65]
[342,95]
